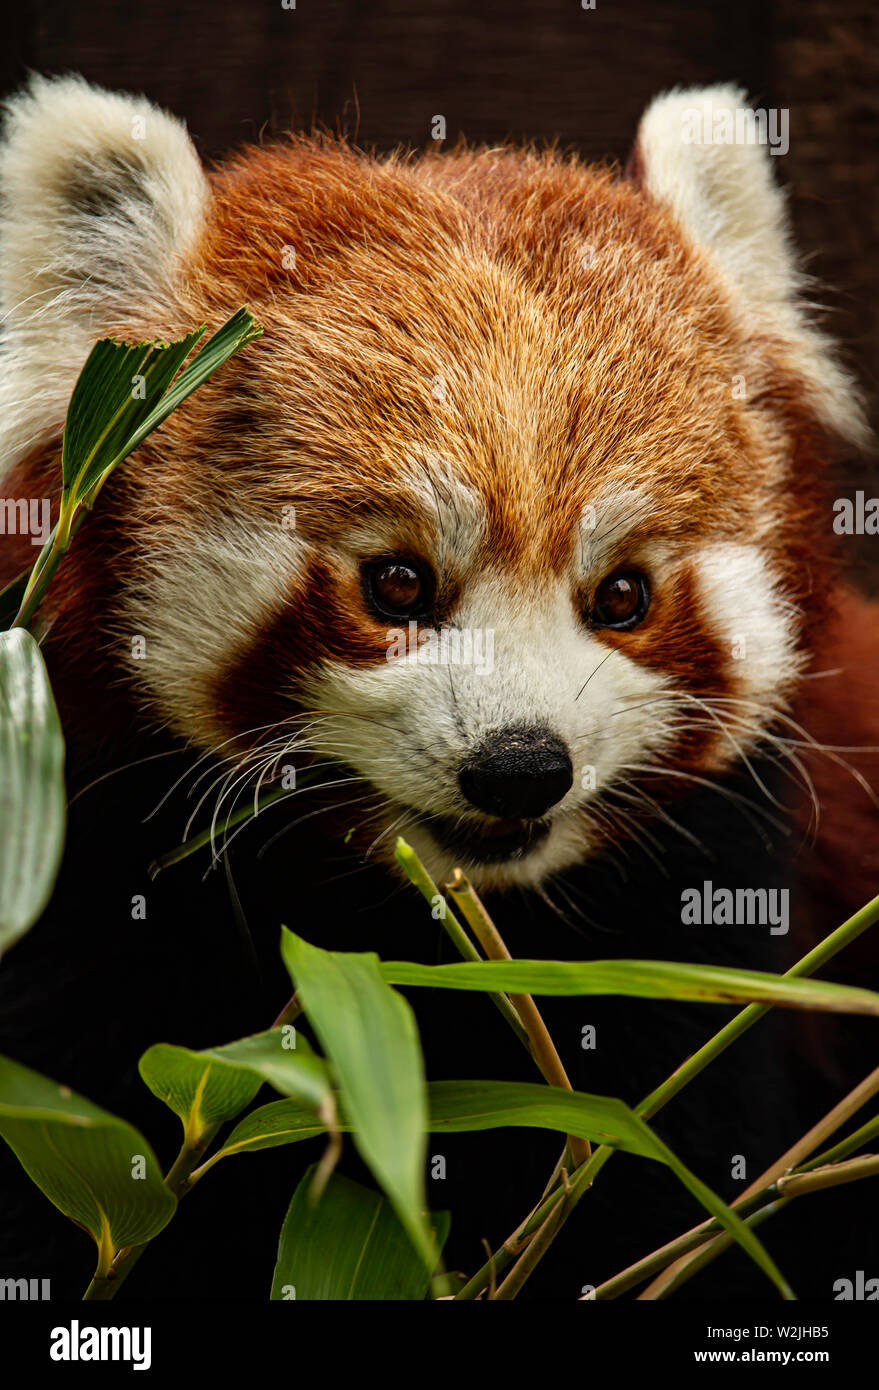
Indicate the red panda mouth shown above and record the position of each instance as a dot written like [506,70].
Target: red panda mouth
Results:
[487,842]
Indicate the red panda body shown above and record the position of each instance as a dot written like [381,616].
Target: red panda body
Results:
[499,392]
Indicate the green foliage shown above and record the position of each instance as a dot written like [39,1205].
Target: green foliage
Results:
[349,1245]
[369,1032]
[279,1122]
[33,805]
[106,421]
[105,417]
[95,1168]
[642,979]
[122,394]
[372,1078]
[209,1087]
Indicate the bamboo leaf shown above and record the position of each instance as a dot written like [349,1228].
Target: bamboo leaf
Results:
[235,333]
[467,1105]
[97,1169]
[278,1122]
[32,797]
[644,979]
[368,1033]
[349,1246]
[456,1107]
[125,391]
[459,1106]
[206,1088]
[118,388]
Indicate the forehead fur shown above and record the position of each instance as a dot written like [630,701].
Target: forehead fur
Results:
[513,327]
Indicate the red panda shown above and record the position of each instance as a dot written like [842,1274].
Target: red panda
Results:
[574,420]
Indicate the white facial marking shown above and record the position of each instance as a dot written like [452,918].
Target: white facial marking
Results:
[605,524]
[756,627]
[202,597]
[454,513]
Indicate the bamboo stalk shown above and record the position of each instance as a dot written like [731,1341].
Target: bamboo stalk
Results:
[545,1054]
[676,1274]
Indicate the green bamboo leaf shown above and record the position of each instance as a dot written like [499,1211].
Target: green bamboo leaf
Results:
[201,1093]
[349,1246]
[97,1169]
[125,391]
[278,1122]
[283,1058]
[206,1088]
[474,1105]
[368,1033]
[32,798]
[117,390]
[235,333]
[643,979]
[459,1106]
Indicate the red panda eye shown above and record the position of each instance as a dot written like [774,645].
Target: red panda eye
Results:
[397,588]
[621,600]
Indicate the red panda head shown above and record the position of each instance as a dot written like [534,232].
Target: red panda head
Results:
[511,513]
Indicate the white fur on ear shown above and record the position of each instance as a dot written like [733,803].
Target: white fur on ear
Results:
[102,198]
[706,154]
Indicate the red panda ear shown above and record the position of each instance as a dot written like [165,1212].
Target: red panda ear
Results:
[102,197]
[708,157]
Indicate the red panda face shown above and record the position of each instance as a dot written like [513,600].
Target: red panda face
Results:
[501,517]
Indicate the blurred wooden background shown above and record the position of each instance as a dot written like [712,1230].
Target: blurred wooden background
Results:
[384,68]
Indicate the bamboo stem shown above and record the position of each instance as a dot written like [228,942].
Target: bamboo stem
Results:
[759,1206]
[676,1274]
[417,874]
[542,1046]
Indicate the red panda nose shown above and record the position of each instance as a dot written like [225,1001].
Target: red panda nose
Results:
[518,772]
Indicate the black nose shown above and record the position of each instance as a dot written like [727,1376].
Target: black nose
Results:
[517,772]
